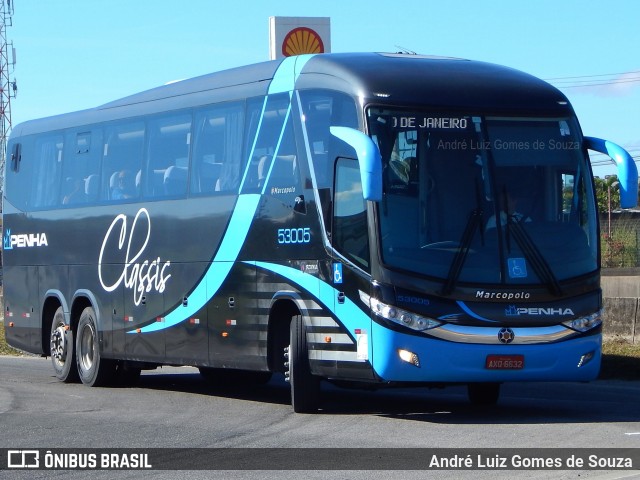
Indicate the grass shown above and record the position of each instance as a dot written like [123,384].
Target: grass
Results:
[620,359]
[4,348]
[621,248]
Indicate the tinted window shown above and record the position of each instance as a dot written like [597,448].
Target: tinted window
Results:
[122,163]
[282,175]
[265,130]
[81,167]
[168,156]
[321,110]
[217,154]
[45,173]
[350,214]
[18,172]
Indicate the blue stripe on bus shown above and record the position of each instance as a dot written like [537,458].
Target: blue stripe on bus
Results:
[273,162]
[284,80]
[352,317]
[242,217]
[253,145]
[219,269]
[468,311]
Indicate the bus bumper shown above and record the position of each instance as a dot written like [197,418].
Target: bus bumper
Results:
[576,359]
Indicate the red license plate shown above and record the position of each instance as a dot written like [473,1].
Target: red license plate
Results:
[504,362]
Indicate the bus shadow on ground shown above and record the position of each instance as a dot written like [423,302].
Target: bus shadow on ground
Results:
[523,403]
[622,367]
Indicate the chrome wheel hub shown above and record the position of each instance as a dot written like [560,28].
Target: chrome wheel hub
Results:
[59,344]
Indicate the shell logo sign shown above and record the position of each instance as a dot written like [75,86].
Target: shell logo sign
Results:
[302,40]
[289,36]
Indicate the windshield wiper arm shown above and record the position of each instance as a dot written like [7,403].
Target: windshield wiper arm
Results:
[474,221]
[531,253]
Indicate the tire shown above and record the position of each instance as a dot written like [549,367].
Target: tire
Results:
[62,347]
[305,387]
[94,371]
[483,393]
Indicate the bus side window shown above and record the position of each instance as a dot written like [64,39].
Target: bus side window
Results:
[350,214]
[80,166]
[122,158]
[262,143]
[169,146]
[46,171]
[283,173]
[217,150]
[18,174]
[322,109]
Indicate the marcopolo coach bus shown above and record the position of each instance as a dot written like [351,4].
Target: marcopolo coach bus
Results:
[365,219]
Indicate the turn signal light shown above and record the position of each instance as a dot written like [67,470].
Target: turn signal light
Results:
[409,357]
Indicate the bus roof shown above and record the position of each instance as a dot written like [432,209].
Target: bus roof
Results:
[381,78]
[406,79]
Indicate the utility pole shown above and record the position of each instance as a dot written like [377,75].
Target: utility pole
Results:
[8,84]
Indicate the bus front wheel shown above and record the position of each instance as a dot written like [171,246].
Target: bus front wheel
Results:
[305,387]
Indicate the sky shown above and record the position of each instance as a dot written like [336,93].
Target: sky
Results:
[72,55]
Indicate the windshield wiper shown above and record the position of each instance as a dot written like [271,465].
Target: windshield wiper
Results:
[475,220]
[533,255]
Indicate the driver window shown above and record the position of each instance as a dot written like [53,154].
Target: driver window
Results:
[350,214]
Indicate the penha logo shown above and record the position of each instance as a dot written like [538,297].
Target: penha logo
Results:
[137,275]
[513,311]
[24,240]
[7,240]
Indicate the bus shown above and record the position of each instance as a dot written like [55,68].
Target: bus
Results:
[370,220]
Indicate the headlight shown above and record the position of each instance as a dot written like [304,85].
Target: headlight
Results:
[398,315]
[583,324]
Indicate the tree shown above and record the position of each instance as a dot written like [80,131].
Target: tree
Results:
[603,187]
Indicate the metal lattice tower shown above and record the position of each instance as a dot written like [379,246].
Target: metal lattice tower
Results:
[8,85]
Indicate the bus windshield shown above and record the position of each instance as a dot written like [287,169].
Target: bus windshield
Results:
[484,199]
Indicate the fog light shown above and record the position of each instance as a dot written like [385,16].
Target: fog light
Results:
[409,357]
[586,358]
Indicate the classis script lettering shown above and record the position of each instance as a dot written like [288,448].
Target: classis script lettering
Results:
[139,276]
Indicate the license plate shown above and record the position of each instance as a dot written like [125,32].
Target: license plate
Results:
[504,362]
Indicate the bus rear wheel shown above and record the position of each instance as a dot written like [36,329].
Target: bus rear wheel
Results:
[483,393]
[305,387]
[62,348]
[93,370]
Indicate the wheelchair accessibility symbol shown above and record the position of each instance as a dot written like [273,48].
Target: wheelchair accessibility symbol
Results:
[337,273]
[517,267]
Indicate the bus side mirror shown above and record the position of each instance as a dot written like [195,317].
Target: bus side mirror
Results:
[369,160]
[627,170]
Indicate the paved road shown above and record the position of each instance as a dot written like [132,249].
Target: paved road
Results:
[174,407]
